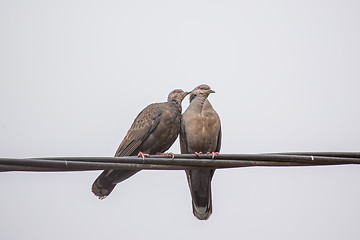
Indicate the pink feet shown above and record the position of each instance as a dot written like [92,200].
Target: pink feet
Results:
[143,155]
[167,154]
[213,154]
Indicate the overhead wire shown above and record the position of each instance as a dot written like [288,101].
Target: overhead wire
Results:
[179,161]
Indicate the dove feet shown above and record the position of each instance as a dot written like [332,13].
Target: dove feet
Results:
[167,154]
[143,155]
[213,154]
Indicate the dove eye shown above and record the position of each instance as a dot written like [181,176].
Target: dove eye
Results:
[201,88]
[176,91]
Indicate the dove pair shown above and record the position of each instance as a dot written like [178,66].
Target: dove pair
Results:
[156,128]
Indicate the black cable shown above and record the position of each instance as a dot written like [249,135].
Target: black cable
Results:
[179,162]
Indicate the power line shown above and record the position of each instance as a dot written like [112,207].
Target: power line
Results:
[179,162]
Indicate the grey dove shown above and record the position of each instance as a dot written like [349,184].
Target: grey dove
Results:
[153,131]
[200,132]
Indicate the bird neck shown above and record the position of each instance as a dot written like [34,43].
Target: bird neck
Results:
[197,98]
[176,104]
[198,103]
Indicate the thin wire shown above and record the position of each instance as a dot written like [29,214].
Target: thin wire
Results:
[180,161]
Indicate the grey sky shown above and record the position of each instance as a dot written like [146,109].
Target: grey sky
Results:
[74,74]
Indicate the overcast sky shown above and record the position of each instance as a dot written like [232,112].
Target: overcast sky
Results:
[74,75]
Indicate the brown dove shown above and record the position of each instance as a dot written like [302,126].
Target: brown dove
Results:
[200,132]
[153,131]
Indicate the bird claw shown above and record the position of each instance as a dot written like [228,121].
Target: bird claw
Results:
[143,155]
[198,153]
[213,154]
[167,154]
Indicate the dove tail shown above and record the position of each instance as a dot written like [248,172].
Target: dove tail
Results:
[200,188]
[107,181]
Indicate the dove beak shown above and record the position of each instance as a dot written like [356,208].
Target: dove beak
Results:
[211,91]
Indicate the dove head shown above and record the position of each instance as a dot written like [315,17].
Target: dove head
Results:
[202,90]
[177,95]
